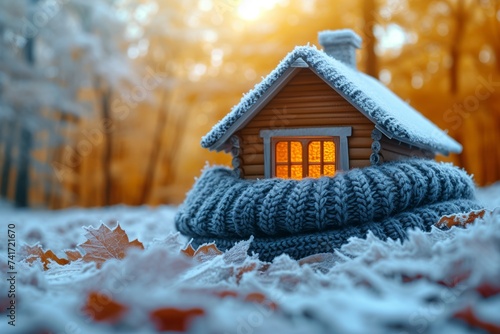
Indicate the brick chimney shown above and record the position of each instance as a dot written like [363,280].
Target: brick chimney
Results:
[341,45]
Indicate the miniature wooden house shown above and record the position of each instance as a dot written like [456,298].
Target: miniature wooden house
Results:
[316,114]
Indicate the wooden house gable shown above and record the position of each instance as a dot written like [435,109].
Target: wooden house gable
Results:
[305,101]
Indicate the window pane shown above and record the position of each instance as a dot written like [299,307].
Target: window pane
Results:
[282,151]
[296,151]
[328,151]
[314,151]
[282,171]
[314,171]
[329,170]
[297,172]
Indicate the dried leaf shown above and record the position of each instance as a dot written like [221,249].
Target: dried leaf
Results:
[189,250]
[322,261]
[173,319]
[240,271]
[454,279]
[243,270]
[101,307]
[103,244]
[451,281]
[226,293]
[203,252]
[259,298]
[472,320]
[252,297]
[208,249]
[33,253]
[73,255]
[461,219]
[487,290]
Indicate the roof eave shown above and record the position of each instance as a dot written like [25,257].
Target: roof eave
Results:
[218,147]
[419,145]
[247,116]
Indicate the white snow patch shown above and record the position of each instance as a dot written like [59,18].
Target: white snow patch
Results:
[366,286]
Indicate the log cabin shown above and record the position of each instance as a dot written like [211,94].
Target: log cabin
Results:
[315,114]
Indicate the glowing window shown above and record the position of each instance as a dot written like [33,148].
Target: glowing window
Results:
[288,162]
[304,157]
[321,158]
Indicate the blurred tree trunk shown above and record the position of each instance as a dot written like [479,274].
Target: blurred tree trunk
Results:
[155,150]
[7,132]
[369,16]
[456,47]
[169,151]
[108,143]
[21,198]
[180,124]
[51,182]
[6,139]
[54,197]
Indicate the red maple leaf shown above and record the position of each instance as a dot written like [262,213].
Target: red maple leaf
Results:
[103,244]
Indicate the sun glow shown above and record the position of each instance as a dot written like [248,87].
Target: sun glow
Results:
[253,9]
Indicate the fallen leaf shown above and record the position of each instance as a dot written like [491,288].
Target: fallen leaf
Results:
[208,249]
[240,271]
[173,319]
[101,307]
[252,297]
[189,250]
[461,219]
[487,290]
[103,244]
[260,298]
[450,282]
[73,255]
[472,320]
[243,270]
[203,252]
[315,258]
[454,279]
[408,279]
[35,252]
[226,293]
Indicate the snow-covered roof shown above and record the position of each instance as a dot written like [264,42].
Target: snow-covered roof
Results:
[391,115]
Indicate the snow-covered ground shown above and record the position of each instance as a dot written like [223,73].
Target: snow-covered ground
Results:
[424,285]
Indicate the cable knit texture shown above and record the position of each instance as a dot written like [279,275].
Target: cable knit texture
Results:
[311,216]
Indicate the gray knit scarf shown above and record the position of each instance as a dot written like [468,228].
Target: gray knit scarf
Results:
[310,216]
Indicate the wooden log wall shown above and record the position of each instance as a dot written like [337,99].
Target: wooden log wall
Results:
[392,149]
[306,101]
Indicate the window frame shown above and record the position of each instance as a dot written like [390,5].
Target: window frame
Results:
[337,134]
[305,142]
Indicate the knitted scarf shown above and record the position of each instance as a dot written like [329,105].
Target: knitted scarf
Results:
[310,216]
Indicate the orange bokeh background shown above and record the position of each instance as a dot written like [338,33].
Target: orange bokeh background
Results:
[197,57]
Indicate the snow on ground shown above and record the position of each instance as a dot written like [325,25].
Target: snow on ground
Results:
[368,286]
[490,196]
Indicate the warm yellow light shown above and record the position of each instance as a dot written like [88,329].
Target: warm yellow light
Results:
[319,159]
[252,9]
